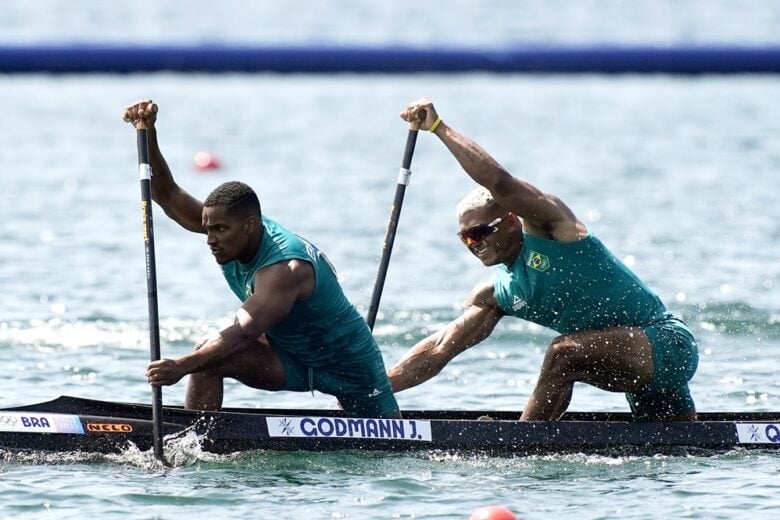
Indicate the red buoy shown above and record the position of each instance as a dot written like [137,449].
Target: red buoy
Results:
[206,161]
[493,513]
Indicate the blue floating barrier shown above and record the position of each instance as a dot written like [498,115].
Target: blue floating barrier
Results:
[554,59]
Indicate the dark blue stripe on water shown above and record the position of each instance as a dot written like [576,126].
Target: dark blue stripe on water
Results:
[609,59]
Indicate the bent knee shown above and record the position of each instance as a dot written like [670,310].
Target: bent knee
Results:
[563,348]
[562,354]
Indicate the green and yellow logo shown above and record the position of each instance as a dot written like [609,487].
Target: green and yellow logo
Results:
[538,261]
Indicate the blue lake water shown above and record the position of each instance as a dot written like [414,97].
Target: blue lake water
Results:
[679,176]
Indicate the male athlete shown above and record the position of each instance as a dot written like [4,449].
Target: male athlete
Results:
[295,330]
[616,334]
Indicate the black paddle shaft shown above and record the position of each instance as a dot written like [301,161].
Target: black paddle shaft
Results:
[403,180]
[145,172]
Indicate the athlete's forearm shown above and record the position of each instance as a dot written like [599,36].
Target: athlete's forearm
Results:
[220,347]
[162,178]
[417,366]
[475,161]
[428,357]
[177,203]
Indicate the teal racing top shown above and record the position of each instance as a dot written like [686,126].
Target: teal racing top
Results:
[574,286]
[318,331]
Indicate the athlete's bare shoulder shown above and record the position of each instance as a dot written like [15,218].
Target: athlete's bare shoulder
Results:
[482,295]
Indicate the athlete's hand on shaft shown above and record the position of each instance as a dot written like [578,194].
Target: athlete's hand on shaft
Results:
[141,114]
[421,112]
[164,372]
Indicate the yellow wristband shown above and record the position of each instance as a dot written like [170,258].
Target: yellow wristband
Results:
[435,124]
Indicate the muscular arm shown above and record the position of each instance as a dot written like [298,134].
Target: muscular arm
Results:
[277,288]
[177,203]
[428,357]
[543,214]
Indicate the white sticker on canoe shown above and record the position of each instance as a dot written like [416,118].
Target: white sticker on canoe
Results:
[40,422]
[758,433]
[339,427]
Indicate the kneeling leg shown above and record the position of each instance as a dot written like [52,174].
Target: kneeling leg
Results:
[257,365]
[618,360]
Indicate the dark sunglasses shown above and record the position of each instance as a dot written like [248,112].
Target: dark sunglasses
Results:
[476,234]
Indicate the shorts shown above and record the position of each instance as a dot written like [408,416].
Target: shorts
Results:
[360,383]
[675,358]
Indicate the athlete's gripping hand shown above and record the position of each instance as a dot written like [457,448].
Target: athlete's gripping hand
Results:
[420,112]
[141,114]
[164,372]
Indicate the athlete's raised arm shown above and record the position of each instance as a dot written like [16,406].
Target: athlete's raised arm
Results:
[543,214]
[177,203]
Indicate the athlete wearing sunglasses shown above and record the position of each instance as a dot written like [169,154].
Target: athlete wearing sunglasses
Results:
[476,234]
[615,333]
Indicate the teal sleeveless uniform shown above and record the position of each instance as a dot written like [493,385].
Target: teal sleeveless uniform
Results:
[577,286]
[324,343]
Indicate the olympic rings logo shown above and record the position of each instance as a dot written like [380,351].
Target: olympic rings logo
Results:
[9,420]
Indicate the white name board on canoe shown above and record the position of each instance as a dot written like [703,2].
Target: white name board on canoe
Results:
[758,433]
[32,422]
[349,428]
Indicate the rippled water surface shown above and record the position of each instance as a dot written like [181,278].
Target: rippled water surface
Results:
[679,176]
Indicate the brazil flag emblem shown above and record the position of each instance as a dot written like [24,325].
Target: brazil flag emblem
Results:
[538,261]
